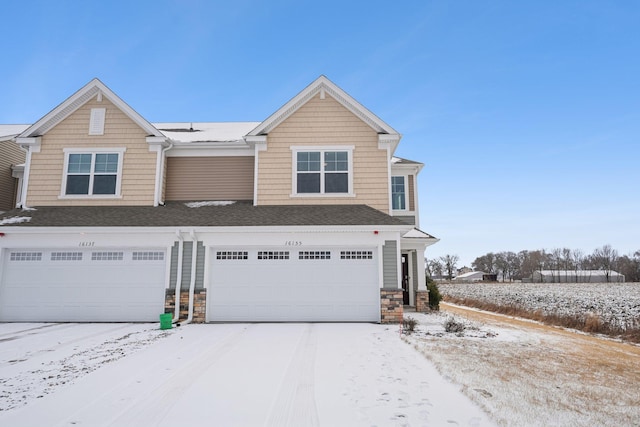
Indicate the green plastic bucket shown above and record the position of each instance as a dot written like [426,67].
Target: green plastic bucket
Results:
[165,320]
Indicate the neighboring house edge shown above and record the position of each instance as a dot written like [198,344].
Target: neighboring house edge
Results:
[305,216]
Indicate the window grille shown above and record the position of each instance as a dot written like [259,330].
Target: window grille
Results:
[227,255]
[66,256]
[314,255]
[107,256]
[273,254]
[26,256]
[147,256]
[356,254]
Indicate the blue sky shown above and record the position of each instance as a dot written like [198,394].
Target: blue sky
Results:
[526,114]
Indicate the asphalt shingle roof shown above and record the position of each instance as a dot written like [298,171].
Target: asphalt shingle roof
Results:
[240,214]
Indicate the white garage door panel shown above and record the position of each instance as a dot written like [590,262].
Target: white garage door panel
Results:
[83,290]
[293,289]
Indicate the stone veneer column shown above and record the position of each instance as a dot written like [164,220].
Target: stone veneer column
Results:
[422,301]
[391,306]
[199,304]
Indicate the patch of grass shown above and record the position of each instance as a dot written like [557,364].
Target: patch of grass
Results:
[587,322]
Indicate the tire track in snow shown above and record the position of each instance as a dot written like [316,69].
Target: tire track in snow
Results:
[295,404]
[146,412]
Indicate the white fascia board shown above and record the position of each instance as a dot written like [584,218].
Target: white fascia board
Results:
[390,140]
[323,86]
[417,243]
[405,168]
[202,229]
[29,141]
[158,140]
[94,88]
[210,148]
[256,139]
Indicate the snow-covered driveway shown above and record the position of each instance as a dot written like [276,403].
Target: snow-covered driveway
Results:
[222,374]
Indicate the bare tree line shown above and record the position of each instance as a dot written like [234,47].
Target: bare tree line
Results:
[517,266]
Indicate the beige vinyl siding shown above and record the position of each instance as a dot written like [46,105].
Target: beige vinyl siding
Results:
[209,178]
[411,193]
[138,167]
[324,122]
[10,154]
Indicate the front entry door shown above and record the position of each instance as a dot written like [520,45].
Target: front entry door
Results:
[405,279]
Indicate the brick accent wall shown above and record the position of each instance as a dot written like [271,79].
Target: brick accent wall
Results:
[391,306]
[422,301]
[199,304]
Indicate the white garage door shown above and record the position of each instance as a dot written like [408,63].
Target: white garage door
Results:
[111,285]
[294,285]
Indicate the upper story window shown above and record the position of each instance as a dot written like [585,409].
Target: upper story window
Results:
[92,173]
[322,171]
[398,193]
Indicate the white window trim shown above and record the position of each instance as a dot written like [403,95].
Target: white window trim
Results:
[406,193]
[295,149]
[102,150]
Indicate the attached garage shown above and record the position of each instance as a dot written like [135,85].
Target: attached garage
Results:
[85,285]
[284,284]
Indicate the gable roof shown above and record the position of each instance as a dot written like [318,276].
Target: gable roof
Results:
[77,100]
[176,214]
[324,86]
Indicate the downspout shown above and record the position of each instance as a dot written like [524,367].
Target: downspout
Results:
[192,284]
[160,174]
[22,203]
[176,314]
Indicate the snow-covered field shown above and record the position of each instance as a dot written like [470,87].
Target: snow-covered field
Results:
[615,303]
[222,374]
[528,374]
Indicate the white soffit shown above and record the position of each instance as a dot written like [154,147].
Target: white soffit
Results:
[94,88]
[324,86]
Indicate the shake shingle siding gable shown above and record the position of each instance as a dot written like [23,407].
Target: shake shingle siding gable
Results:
[241,214]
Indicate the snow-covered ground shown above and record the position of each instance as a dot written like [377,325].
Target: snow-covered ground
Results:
[614,303]
[524,373]
[222,374]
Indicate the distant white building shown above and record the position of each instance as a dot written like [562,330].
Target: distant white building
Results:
[579,276]
[472,276]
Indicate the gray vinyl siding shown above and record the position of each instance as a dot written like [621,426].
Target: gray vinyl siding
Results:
[186,265]
[200,253]
[414,269]
[390,265]
[173,270]
[408,219]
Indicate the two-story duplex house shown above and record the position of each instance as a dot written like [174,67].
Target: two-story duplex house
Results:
[305,216]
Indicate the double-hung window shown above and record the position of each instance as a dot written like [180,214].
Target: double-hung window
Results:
[322,171]
[92,173]
[398,193]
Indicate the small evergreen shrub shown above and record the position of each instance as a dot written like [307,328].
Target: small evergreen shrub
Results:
[434,294]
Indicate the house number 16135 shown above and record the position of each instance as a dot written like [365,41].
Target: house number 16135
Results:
[293,243]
